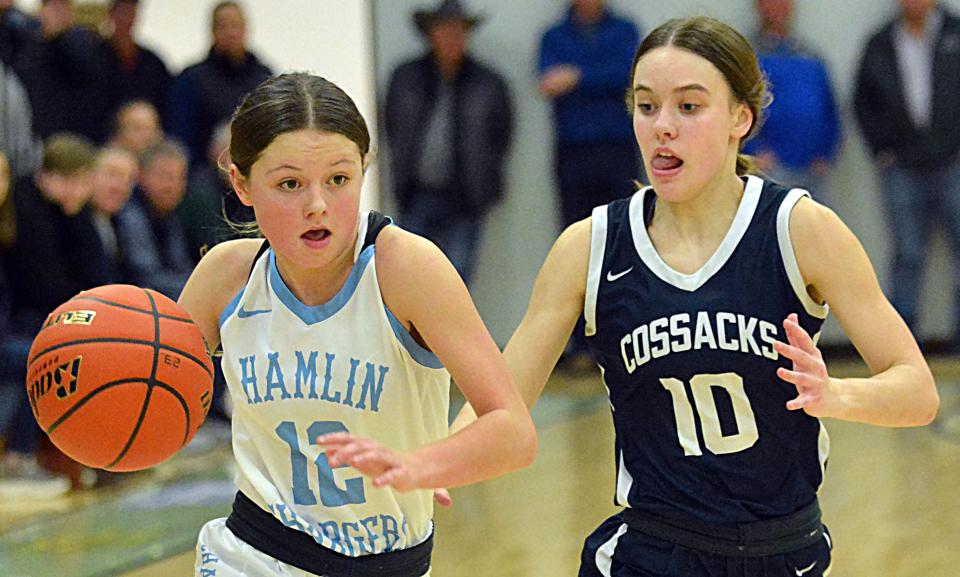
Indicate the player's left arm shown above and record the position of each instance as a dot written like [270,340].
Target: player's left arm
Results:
[424,291]
[901,391]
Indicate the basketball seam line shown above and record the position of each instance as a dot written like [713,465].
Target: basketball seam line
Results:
[150,385]
[79,404]
[129,308]
[166,347]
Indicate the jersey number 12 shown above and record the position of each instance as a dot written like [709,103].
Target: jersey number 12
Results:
[713,437]
[331,495]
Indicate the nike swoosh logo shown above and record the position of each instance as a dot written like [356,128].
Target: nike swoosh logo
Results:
[245,314]
[612,277]
[800,572]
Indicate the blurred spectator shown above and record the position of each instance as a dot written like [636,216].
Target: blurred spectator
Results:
[205,94]
[61,253]
[448,120]
[798,142]
[66,76]
[18,142]
[584,70]
[136,126]
[55,254]
[906,103]
[162,252]
[114,176]
[210,204]
[20,473]
[18,31]
[136,72]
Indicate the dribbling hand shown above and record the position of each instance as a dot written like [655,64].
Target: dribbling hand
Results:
[384,466]
[814,392]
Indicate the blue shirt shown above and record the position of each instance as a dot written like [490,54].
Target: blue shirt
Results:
[802,124]
[594,111]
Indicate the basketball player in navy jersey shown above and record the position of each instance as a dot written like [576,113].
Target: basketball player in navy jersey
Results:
[703,296]
[338,335]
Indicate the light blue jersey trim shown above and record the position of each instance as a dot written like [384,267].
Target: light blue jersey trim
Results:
[231,307]
[319,313]
[419,354]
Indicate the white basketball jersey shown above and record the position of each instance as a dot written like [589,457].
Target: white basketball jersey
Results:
[296,372]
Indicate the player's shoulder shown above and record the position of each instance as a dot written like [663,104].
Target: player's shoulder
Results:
[226,267]
[576,235]
[399,250]
[816,230]
[810,218]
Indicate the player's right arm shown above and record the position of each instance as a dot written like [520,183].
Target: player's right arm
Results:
[555,305]
[217,278]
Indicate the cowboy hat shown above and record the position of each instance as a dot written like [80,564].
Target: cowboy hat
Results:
[447,10]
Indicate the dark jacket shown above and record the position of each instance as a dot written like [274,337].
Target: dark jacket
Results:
[160,256]
[18,32]
[148,79]
[66,78]
[881,107]
[53,257]
[206,94]
[483,124]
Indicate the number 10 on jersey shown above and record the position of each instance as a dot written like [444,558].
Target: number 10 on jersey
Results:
[713,437]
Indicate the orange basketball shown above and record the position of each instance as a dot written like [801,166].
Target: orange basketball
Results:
[119,378]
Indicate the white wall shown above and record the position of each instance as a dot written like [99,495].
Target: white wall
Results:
[333,38]
[521,230]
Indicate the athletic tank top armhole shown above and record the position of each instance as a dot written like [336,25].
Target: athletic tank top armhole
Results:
[812,307]
[231,306]
[371,223]
[419,354]
[598,243]
[370,227]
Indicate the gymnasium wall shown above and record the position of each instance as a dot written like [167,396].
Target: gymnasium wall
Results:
[522,229]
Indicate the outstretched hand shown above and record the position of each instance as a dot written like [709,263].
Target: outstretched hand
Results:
[384,466]
[809,374]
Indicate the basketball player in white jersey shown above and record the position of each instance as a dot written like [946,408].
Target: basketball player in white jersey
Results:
[339,333]
[700,295]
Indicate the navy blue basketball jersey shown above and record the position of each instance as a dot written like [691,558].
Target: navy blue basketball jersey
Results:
[702,429]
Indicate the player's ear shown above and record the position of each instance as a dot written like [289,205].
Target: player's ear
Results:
[240,185]
[742,120]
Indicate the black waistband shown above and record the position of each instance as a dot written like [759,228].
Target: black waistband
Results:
[756,539]
[264,532]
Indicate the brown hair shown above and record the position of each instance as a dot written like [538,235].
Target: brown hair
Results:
[67,154]
[287,103]
[729,52]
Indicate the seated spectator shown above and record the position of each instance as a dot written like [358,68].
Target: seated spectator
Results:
[115,175]
[136,126]
[210,206]
[162,250]
[55,246]
[20,474]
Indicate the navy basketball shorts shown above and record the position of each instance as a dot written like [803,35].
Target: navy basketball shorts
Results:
[614,550]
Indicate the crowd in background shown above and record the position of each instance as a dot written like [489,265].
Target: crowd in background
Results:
[113,175]
[111,166]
